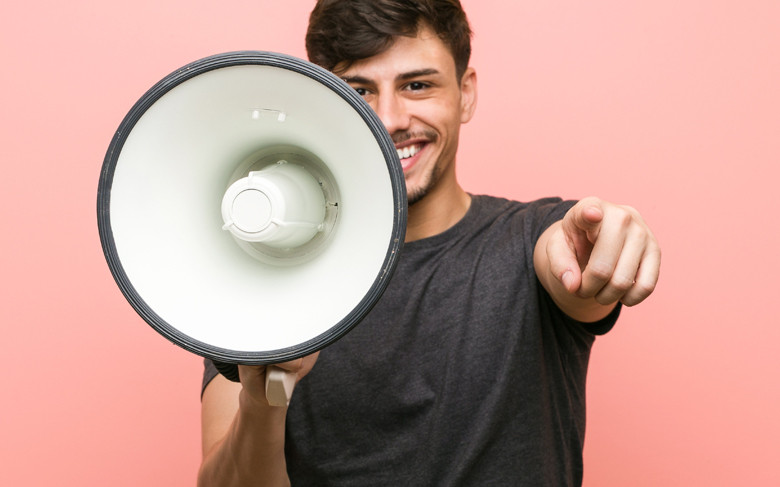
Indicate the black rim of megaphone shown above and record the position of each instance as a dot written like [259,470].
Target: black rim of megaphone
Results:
[388,150]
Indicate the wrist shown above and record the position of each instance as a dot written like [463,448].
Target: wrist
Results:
[253,404]
[257,428]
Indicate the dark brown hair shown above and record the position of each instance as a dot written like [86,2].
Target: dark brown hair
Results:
[350,30]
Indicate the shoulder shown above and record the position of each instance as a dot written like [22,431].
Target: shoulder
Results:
[489,205]
[524,219]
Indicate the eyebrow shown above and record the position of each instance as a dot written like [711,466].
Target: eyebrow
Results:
[416,74]
[401,77]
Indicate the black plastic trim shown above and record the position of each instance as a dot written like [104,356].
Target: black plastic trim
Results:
[394,168]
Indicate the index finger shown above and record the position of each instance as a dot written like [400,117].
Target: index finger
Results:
[586,216]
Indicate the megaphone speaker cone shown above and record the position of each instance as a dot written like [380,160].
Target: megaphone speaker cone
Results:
[252,207]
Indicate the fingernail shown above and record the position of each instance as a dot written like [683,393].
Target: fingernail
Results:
[566,280]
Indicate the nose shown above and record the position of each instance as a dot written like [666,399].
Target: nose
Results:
[391,109]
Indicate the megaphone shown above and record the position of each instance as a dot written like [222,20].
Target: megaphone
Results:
[251,208]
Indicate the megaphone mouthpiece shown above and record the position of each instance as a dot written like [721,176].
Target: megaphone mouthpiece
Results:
[282,206]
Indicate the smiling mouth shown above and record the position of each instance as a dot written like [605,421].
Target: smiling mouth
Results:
[409,145]
[409,151]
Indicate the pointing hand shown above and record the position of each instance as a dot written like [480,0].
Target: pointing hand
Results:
[605,251]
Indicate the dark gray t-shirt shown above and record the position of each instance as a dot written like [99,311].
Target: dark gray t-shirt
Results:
[464,374]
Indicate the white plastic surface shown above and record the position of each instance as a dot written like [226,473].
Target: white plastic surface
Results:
[166,209]
[279,385]
[250,210]
[282,206]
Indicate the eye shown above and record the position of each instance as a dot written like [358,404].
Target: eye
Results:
[416,86]
[361,91]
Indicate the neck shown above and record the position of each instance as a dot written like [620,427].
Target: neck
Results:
[444,205]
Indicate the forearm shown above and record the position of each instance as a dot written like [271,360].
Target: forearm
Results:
[252,451]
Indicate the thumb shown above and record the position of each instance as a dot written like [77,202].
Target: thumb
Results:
[562,257]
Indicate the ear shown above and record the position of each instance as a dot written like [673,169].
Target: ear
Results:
[468,95]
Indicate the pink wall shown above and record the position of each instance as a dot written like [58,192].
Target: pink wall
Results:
[672,107]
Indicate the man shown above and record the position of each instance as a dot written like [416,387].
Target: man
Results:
[471,368]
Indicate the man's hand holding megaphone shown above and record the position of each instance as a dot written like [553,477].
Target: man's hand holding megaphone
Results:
[254,435]
[264,385]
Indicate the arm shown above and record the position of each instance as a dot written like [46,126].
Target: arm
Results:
[599,254]
[242,436]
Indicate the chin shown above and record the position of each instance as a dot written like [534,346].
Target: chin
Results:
[415,195]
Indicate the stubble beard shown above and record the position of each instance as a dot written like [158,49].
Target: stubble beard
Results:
[421,192]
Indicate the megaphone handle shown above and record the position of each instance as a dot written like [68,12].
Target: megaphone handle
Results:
[279,384]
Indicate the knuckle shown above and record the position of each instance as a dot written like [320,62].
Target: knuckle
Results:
[641,235]
[633,212]
[623,216]
[600,271]
[621,283]
[630,301]
[632,298]
[646,288]
[656,253]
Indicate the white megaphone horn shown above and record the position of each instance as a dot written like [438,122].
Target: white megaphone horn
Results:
[252,209]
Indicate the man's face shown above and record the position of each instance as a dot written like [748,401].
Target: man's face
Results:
[413,89]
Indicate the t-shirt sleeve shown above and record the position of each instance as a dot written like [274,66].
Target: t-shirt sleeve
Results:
[543,213]
[595,328]
[209,372]
[572,336]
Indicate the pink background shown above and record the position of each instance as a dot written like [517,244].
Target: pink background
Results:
[670,106]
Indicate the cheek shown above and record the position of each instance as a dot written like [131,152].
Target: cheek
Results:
[443,115]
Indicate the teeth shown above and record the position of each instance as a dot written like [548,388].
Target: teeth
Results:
[407,152]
